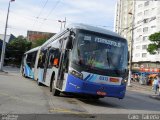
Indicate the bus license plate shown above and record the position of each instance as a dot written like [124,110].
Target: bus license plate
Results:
[101,93]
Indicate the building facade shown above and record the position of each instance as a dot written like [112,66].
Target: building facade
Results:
[147,21]
[145,16]
[123,20]
[36,35]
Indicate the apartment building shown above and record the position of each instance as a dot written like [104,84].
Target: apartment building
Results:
[146,18]
[123,20]
[147,21]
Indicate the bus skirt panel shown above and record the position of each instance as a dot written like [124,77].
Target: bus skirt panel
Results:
[76,85]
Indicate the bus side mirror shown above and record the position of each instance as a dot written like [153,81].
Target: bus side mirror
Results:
[70,41]
[69,44]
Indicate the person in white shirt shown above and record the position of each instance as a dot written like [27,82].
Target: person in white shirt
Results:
[155,84]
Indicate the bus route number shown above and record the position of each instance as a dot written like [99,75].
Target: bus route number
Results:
[103,78]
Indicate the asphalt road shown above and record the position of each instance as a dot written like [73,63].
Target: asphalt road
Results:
[20,95]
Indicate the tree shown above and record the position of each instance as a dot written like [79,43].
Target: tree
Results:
[39,42]
[155,45]
[17,47]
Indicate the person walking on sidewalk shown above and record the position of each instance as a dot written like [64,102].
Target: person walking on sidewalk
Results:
[155,84]
[158,77]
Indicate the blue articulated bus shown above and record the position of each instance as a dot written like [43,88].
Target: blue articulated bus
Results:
[85,60]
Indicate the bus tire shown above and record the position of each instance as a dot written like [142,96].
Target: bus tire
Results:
[55,92]
[96,97]
[23,74]
[52,82]
[38,83]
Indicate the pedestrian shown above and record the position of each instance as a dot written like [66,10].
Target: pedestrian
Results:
[159,82]
[155,84]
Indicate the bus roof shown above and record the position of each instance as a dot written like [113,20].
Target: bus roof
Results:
[32,50]
[94,29]
[83,27]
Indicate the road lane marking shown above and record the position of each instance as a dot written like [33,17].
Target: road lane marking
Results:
[62,110]
[78,114]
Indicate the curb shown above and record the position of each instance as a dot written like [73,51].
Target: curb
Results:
[157,97]
[3,72]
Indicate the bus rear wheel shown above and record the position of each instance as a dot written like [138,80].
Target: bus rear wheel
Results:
[38,83]
[55,92]
[23,74]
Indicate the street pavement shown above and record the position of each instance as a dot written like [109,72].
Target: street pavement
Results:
[19,95]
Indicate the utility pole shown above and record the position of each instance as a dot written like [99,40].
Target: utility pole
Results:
[4,40]
[131,50]
[61,22]
[65,22]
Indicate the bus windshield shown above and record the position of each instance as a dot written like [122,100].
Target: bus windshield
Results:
[100,52]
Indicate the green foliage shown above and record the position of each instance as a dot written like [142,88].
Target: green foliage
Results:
[17,47]
[155,45]
[152,48]
[20,45]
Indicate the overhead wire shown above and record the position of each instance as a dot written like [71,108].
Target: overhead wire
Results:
[54,7]
[40,13]
[51,11]
[47,16]
[42,8]
[31,17]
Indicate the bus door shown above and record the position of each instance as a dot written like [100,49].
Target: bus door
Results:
[46,65]
[42,65]
[30,62]
[62,64]
[50,56]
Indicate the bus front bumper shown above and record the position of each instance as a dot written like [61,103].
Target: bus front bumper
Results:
[76,85]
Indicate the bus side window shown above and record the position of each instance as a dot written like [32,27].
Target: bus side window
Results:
[29,59]
[54,58]
[41,60]
[33,59]
[51,56]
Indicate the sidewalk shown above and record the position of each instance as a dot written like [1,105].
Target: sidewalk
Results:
[10,70]
[137,87]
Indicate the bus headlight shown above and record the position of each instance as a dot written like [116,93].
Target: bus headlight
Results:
[76,74]
[124,81]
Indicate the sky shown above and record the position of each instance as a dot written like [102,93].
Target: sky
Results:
[43,15]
